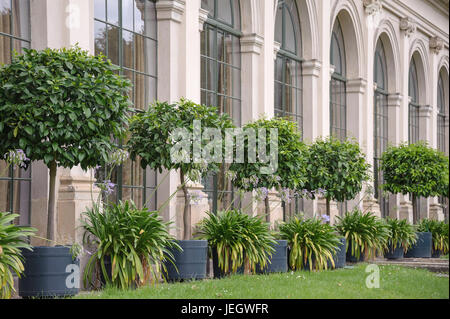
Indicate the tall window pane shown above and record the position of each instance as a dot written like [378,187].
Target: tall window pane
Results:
[125,31]
[338,104]
[338,91]
[380,133]
[413,114]
[221,83]
[442,142]
[15,183]
[288,79]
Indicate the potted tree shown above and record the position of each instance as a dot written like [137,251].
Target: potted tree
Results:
[289,173]
[415,169]
[403,236]
[420,171]
[61,107]
[162,138]
[339,169]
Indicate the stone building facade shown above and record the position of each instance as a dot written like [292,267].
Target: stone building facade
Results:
[373,70]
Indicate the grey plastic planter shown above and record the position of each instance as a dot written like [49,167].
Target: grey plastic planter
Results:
[278,262]
[49,272]
[395,253]
[189,263]
[422,248]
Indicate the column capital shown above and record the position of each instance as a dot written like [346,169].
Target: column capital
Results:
[436,44]
[356,85]
[202,17]
[395,100]
[251,43]
[372,6]
[276,48]
[170,10]
[408,26]
[425,111]
[311,68]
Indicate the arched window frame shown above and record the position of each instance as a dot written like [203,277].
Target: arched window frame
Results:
[288,81]
[441,117]
[380,132]
[220,84]
[132,182]
[338,84]
[413,110]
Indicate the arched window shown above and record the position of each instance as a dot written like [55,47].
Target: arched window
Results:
[125,31]
[15,184]
[380,133]
[338,103]
[413,113]
[441,142]
[221,81]
[288,73]
[441,133]
[338,91]
[288,77]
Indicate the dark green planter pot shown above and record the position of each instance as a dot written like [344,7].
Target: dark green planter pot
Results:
[190,263]
[340,256]
[49,273]
[352,259]
[436,253]
[395,253]
[278,262]
[422,248]
[218,273]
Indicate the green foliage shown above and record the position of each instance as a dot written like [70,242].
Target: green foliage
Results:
[439,232]
[311,242]
[12,240]
[136,240]
[338,167]
[237,238]
[290,172]
[62,106]
[364,233]
[415,169]
[151,137]
[402,233]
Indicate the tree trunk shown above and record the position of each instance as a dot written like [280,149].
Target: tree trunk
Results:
[187,209]
[52,200]
[328,206]
[415,208]
[267,207]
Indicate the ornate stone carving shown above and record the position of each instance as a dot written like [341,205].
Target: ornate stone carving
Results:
[436,44]
[408,26]
[372,6]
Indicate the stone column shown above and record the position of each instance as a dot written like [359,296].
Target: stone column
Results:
[394,104]
[407,28]
[425,115]
[169,15]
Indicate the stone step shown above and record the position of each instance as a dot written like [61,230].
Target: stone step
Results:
[432,264]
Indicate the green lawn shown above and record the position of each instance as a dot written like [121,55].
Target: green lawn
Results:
[395,282]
